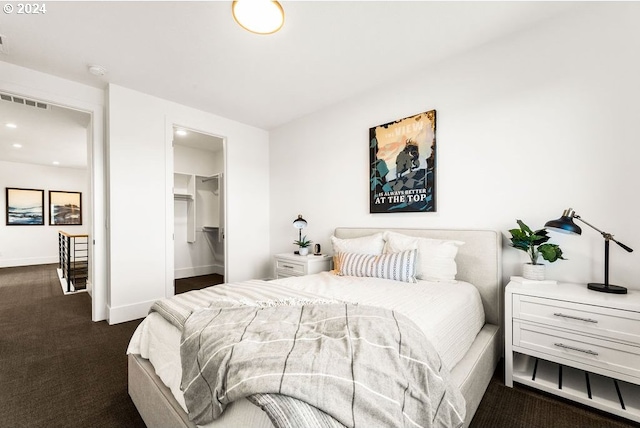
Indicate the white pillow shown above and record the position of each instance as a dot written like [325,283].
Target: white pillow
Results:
[396,266]
[436,257]
[371,244]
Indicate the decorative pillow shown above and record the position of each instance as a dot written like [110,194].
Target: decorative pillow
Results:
[397,266]
[436,257]
[371,244]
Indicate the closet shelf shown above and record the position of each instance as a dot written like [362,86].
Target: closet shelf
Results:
[186,196]
[211,177]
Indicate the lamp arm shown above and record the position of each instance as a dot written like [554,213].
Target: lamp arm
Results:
[590,225]
[605,235]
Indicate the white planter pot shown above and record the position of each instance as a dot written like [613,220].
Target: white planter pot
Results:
[303,251]
[535,272]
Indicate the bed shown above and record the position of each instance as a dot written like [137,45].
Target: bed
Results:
[478,265]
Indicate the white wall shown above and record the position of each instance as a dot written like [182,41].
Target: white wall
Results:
[141,203]
[192,160]
[526,126]
[33,245]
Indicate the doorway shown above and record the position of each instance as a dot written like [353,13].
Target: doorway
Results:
[199,243]
[49,147]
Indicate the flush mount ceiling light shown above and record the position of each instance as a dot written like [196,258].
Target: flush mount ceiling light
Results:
[181,132]
[11,125]
[55,163]
[258,16]
[17,145]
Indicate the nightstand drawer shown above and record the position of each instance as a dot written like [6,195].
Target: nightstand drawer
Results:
[290,268]
[608,323]
[280,274]
[610,357]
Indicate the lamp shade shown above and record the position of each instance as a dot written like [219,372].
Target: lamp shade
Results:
[565,223]
[299,223]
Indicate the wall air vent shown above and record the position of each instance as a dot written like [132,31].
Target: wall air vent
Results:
[24,101]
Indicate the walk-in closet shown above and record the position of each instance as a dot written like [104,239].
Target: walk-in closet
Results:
[198,189]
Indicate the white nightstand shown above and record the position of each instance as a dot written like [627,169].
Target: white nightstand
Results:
[289,264]
[576,343]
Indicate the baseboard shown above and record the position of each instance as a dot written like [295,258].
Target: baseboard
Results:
[198,271]
[28,261]
[116,315]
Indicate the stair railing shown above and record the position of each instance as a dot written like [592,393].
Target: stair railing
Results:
[73,259]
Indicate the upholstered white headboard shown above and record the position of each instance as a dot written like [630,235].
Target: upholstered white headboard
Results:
[479,260]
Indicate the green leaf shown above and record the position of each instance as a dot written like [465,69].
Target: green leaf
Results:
[520,244]
[551,252]
[538,240]
[304,242]
[524,227]
[518,234]
[540,237]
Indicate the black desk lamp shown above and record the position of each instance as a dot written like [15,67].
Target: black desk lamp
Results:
[299,224]
[565,224]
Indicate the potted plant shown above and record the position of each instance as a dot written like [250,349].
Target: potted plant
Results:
[535,244]
[303,245]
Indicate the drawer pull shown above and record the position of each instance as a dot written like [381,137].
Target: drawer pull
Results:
[586,351]
[287,266]
[559,314]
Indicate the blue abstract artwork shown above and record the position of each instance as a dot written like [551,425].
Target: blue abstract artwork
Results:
[25,207]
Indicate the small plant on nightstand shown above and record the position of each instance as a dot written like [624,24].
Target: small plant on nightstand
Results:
[303,244]
[534,244]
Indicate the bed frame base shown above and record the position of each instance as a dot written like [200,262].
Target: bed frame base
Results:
[154,401]
[159,408]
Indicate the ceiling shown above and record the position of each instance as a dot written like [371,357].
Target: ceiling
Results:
[197,140]
[43,135]
[195,54]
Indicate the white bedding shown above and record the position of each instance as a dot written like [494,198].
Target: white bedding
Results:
[450,314]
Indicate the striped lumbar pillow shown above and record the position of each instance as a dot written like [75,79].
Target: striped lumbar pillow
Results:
[399,266]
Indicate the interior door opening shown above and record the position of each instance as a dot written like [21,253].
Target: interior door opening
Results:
[199,209]
[49,151]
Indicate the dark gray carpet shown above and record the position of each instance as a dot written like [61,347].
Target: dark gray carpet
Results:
[524,407]
[60,369]
[197,282]
[57,367]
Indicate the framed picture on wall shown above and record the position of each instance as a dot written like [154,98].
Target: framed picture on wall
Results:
[25,207]
[65,208]
[402,165]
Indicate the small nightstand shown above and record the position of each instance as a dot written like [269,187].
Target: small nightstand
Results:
[576,343]
[288,264]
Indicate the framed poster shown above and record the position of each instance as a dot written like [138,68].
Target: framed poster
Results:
[402,159]
[65,208]
[25,207]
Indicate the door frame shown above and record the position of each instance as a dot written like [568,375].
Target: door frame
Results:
[42,89]
[170,123]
